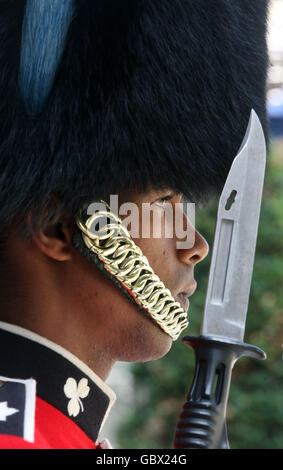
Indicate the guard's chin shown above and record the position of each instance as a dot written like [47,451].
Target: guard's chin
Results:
[161,345]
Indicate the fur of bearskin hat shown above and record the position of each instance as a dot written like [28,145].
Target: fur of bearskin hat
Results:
[104,96]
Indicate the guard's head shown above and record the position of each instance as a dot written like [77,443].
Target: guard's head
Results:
[104,97]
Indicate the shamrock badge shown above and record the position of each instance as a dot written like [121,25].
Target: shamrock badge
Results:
[75,392]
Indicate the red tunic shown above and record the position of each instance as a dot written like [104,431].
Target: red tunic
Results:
[53,430]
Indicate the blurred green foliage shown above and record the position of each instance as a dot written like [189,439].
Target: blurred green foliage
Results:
[255,408]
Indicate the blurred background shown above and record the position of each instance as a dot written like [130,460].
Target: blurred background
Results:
[150,396]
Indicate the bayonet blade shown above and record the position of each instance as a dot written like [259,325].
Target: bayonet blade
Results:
[235,238]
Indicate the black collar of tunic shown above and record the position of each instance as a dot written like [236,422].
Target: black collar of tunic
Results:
[24,355]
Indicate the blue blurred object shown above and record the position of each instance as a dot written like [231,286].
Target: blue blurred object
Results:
[275,112]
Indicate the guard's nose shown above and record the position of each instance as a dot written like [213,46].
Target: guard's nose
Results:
[197,250]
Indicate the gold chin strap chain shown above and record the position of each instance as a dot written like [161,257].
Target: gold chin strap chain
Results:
[123,259]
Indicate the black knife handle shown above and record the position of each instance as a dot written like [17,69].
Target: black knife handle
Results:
[202,422]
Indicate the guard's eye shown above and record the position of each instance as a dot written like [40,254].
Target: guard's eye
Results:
[162,200]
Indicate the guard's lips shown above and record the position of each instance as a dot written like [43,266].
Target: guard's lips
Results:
[182,297]
[183,301]
[189,291]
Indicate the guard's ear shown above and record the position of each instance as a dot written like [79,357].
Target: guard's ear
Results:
[55,238]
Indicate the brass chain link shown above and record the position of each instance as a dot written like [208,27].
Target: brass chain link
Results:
[123,259]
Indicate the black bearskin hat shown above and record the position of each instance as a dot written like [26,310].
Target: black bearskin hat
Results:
[105,96]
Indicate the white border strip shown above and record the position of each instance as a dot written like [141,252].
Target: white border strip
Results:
[29,411]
